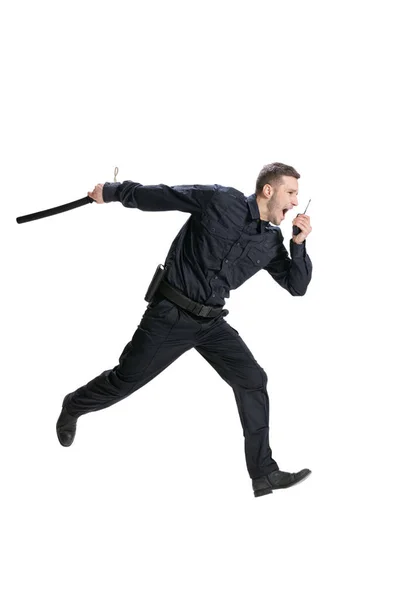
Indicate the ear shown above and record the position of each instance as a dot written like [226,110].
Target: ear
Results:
[267,191]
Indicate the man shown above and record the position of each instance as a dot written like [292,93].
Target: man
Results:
[227,239]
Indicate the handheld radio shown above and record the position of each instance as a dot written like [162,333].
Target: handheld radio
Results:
[296,230]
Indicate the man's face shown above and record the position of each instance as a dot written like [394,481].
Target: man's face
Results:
[282,198]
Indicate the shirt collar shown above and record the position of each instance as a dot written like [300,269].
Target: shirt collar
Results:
[255,212]
[253,207]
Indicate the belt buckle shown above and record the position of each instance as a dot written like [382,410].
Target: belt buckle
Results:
[205,311]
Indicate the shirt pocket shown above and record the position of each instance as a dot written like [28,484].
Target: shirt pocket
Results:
[217,229]
[215,241]
[258,257]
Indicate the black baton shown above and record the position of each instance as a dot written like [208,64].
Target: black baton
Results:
[54,211]
[59,209]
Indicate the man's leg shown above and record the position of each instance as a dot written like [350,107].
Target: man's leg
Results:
[161,337]
[224,349]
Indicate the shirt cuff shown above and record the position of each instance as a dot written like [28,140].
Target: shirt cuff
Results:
[297,250]
[110,191]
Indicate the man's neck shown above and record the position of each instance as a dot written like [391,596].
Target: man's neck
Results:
[264,216]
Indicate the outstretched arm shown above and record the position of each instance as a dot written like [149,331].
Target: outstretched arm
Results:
[185,198]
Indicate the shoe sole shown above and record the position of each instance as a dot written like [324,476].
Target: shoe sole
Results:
[263,492]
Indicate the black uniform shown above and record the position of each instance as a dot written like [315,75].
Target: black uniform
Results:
[221,245]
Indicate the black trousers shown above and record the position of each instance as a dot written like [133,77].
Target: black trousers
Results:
[165,332]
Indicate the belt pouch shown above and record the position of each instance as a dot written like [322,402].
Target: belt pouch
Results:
[155,282]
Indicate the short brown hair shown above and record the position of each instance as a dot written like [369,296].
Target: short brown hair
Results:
[273,173]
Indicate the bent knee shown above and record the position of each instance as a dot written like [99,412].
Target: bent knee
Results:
[256,379]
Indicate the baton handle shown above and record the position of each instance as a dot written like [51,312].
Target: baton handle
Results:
[54,211]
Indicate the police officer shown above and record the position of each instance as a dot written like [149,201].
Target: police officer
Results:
[226,240]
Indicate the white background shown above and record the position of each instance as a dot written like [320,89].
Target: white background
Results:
[153,499]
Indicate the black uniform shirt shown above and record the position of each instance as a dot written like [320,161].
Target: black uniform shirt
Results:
[222,244]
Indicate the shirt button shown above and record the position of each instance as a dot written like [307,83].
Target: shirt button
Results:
[258,261]
[213,295]
[238,244]
[227,261]
[216,277]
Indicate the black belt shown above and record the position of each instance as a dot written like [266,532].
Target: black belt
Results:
[200,310]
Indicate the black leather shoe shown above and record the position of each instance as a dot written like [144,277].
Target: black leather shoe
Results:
[66,428]
[277,480]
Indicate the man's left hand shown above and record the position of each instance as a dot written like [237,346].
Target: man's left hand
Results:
[303,223]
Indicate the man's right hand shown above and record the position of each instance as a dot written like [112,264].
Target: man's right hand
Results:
[97,193]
